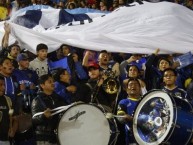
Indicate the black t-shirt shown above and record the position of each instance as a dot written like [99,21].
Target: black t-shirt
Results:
[4,119]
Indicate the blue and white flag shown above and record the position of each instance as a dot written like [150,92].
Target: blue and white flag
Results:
[136,29]
[48,17]
[184,60]
[62,63]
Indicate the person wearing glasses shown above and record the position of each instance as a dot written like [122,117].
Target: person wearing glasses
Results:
[169,79]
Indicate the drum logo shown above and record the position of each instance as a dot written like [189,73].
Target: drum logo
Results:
[75,117]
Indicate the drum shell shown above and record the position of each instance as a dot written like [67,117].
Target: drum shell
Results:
[181,127]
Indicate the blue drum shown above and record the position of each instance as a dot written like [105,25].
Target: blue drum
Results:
[161,119]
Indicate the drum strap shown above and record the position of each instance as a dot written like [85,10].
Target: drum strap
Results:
[9,103]
[89,85]
[92,96]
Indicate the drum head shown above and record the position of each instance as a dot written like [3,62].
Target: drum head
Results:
[153,118]
[83,124]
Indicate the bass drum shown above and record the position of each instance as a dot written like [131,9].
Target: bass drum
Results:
[161,119]
[86,124]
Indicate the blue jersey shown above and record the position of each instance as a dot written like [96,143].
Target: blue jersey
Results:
[176,92]
[60,89]
[26,76]
[127,106]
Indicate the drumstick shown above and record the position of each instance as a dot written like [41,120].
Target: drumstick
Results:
[110,115]
[60,109]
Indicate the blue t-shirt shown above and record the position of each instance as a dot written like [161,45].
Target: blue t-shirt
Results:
[128,106]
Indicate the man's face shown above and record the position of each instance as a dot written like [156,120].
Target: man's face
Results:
[115,4]
[133,88]
[7,67]
[24,64]
[2,87]
[65,50]
[48,85]
[93,73]
[65,77]
[163,65]
[169,77]
[14,51]
[42,54]
[104,58]
[133,72]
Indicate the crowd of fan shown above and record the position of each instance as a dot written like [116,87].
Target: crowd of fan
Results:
[86,73]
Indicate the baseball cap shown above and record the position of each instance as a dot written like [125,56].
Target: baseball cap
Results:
[22,56]
[93,65]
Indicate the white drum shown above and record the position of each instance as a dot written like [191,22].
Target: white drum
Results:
[86,124]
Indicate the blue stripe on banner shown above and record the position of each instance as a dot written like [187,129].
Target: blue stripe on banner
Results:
[85,10]
[81,17]
[30,19]
[65,17]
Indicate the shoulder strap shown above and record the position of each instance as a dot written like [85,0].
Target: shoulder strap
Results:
[89,85]
[9,102]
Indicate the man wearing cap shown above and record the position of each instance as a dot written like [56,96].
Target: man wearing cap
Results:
[97,92]
[26,78]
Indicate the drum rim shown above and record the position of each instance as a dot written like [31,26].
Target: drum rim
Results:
[82,103]
[134,126]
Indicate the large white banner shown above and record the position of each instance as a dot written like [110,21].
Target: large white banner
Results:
[135,29]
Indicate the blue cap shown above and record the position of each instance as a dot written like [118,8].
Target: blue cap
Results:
[22,56]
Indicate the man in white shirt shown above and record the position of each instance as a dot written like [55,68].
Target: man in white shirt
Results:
[40,63]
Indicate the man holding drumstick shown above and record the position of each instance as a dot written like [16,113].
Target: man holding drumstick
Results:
[45,122]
